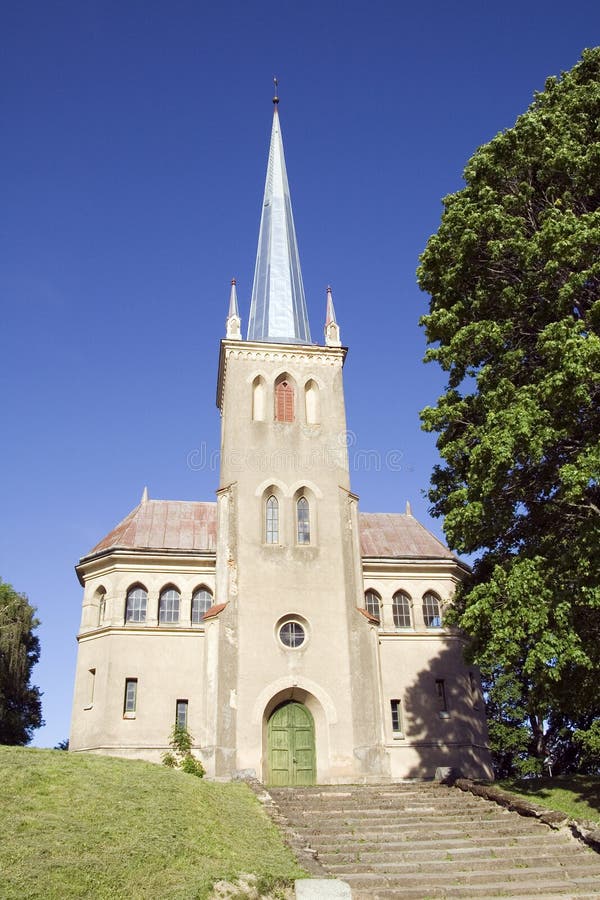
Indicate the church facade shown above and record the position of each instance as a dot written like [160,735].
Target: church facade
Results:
[300,640]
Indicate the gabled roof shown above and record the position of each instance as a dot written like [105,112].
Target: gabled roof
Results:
[182,525]
[164,525]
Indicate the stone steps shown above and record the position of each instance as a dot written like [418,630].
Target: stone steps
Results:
[428,841]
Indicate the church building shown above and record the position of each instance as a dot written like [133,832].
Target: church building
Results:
[300,640]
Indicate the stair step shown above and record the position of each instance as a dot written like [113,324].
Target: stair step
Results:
[428,841]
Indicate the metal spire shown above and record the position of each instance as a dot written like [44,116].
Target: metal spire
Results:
[278,307]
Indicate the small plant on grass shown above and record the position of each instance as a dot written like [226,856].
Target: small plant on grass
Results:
[180,755]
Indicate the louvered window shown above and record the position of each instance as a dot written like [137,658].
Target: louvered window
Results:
[284,402]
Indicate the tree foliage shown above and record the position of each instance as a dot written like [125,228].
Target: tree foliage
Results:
[20,702]
[514,319]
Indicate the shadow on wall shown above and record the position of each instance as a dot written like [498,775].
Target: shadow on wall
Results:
[444,718]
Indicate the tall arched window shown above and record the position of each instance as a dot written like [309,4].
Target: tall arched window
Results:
[272,521]
[202,599]
[100,600]
[311,399]
[303,521]
[284,401]
[259,399]
[136,604]
[401,610]
[431,611]
[168,606]
[373,604]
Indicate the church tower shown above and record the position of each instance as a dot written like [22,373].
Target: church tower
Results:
[297,666]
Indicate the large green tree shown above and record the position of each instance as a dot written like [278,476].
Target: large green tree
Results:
[514,319]
[20,701]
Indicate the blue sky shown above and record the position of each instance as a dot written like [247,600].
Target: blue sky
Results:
[135,137]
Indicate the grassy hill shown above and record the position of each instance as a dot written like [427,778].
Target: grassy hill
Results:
[75,826]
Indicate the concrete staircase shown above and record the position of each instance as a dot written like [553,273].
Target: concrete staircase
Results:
[429,840]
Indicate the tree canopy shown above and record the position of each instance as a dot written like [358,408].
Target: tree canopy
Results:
[20,702]
[514,319]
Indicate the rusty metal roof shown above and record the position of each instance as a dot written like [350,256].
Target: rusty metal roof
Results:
[391,535]
[192,525]
[164,525]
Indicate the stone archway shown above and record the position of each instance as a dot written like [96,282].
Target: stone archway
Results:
[291,745]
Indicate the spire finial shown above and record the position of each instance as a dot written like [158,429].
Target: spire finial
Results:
[276,97]
[144,495]
[408,509]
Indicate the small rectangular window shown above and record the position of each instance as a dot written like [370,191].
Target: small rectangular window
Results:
[181,714]
[474,689]
[90,688]
[396,709]
[440,692]
[130,702]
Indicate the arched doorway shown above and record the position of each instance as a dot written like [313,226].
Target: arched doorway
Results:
[291,745]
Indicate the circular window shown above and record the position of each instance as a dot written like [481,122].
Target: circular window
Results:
[292,634]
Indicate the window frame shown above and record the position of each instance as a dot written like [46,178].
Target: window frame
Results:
[292,624]
[378,614]
[184,705]
[303,537]
[429,598]
[406,611]
[171,607]
[396,717]
[200,590]
[139,613]
[271,518]
[442,698]
[130,698]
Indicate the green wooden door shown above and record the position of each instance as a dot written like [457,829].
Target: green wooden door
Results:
[291,739]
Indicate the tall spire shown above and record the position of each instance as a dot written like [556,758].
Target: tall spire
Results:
[278,308]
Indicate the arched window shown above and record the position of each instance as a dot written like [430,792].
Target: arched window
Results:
[311,399]
[168,606]
[284,401]
[136,604]
[100,602]
[259,398]
[303,521]
[401,610]
[431,611]
[202,599]
[373,604]
[272,521]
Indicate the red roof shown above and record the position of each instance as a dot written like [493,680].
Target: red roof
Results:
[192,525]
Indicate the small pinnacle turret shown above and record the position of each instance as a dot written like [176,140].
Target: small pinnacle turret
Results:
[233,325]
[332,329]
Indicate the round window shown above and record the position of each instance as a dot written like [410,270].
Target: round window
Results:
[292,634]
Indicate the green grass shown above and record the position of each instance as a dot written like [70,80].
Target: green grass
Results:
[578,797]
[76,826]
